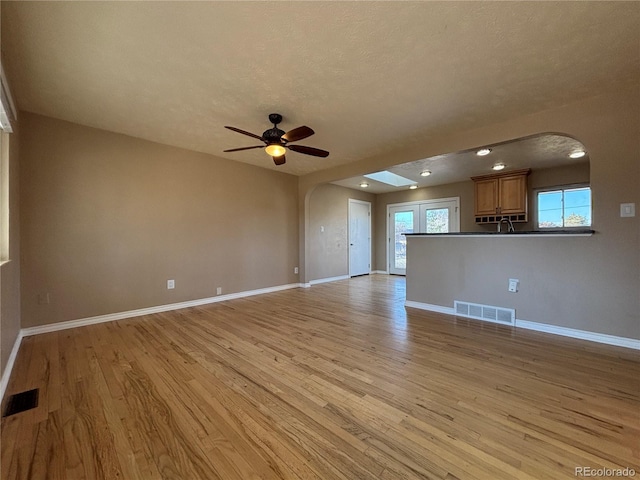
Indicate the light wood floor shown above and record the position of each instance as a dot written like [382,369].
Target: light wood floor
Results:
[338,381]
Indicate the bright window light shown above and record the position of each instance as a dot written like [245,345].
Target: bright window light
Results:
[390,179]
[564,208]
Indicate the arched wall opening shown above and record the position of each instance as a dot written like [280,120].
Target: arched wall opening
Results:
[546,154]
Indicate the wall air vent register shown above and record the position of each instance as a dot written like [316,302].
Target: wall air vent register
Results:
[506,316]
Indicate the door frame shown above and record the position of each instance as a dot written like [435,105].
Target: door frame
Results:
[368,204]
[414,203]
[412,207]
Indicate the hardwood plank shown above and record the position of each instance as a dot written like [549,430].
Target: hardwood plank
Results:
[339,381]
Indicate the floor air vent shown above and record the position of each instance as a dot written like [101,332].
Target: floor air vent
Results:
[506,316]
[21,402]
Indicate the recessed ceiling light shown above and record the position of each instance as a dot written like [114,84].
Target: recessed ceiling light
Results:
[498,166]
[413,187]
[483,151]
[364,185]
[577,154]
[425,173]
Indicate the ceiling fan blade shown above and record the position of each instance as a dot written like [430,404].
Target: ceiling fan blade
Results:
[279,160]
[316,152]
[244,133]
[243,148]
[298,134]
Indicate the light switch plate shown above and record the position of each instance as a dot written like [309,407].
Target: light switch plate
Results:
[627,209]
[513,285]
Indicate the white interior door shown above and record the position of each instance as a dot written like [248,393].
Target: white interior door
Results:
[359,237]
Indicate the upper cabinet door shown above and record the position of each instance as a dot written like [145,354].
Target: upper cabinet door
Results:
[513,194]
[486,197]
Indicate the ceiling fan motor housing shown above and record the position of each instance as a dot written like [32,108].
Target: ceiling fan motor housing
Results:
[273,135]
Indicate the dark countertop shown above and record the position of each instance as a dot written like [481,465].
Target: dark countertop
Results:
[562,232]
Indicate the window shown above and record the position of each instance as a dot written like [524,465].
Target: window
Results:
[4,196]
[7,115]
[564,207]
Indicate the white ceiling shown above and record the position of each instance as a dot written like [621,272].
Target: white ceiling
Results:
[366,76]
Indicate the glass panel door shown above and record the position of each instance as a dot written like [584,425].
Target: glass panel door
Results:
[425,216]
[402,220]
[437,220]
[439,217]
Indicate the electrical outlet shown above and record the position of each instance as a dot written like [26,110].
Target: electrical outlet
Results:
[295,270]
[219,291]
[171,284]
[513,285]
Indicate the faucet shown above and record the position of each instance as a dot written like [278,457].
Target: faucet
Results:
[509,223]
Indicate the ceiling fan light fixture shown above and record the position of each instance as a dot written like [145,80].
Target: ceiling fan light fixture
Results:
[483,151]
[425,173]
[275,150]
[277,141]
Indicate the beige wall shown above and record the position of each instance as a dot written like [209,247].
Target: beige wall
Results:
[560,282]
[107,219]
[608,282]
[10,272]
[329,250]
[564,175]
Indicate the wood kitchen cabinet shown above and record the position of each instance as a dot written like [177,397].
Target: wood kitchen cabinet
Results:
[501,195]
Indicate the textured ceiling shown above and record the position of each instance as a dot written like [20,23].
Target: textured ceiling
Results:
[540,151]
[366,76]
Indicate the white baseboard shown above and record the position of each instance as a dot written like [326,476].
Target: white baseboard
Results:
[544,327]
[581,334]
[430,307]
[329,279]
[6,375]
[110,317]
[380,272]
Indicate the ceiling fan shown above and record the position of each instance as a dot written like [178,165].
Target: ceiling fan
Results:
[277,141]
